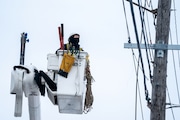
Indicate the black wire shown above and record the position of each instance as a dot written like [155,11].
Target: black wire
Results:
[136,70]
[148,42]
[144,36]
[139,49]
[154,15]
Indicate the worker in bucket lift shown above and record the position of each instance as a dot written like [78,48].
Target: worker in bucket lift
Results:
[68,58]
[73,42]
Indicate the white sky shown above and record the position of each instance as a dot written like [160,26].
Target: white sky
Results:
[101,24]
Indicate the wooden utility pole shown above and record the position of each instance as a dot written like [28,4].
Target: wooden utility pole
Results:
[158,100]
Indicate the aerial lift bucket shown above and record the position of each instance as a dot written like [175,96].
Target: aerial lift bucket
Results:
[71,90]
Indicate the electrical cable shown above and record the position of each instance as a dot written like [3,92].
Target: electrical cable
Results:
[177,87]
[155,14]
[177,40]
[170,103]
[139,49]
[126,22]
[150,43]
[144,36]
[137,88]
[136,70]
[150,3]
[142,114]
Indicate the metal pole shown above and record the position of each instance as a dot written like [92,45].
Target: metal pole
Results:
[23,43]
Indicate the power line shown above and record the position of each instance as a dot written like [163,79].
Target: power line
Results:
[144,35]
[126,21]
[137,86]
[150,39]
[177,87]
[136,69]
[139,49]
[142,115]
[150,42]
[177,43]
[170,102]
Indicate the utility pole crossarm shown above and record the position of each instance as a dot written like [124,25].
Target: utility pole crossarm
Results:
[152,46]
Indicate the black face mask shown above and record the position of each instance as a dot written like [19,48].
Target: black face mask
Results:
[74,41]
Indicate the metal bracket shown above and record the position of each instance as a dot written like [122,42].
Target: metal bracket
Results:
[160,52]
[159,46]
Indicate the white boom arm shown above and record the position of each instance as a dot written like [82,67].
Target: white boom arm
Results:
[16,88]
[34,107]
[22,80]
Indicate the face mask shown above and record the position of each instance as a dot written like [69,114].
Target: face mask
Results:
[74,41]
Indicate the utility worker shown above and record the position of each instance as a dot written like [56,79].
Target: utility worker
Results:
[68,58]
[73,45]
[73,42]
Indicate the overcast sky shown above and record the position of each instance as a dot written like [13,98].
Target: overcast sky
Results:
[101,24]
